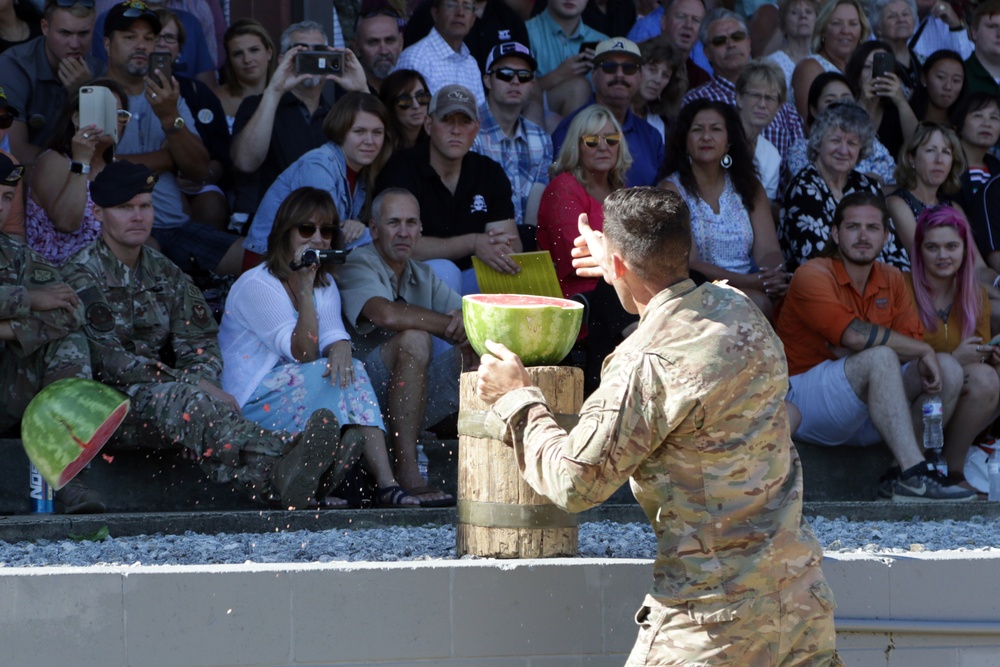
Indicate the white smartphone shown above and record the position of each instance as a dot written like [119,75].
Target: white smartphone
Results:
[99,107]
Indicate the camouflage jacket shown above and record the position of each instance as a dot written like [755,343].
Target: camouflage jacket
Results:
[691,408]
[150,324]
[22,269]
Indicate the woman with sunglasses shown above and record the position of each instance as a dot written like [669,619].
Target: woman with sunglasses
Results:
[285,350]
[406,95]
[345,166]
[250,63]
[732,230]
[59,215]
[591,164]
[955,312]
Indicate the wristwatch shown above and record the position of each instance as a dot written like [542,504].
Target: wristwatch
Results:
[176,127]
[79,168]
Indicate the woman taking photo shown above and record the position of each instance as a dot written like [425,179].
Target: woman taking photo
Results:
[664,82]
[894,21]
[250,62]
[345,166]
[732,232]
[882,97]
[956,316]
[287,353]
[406,95]
[59,214]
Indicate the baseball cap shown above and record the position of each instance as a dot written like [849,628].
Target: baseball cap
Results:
[452,98]
[120,181]
[124,14]
[610,47]
[510,49]
[10,173]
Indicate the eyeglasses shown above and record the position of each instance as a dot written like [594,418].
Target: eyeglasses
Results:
[307,230]
[167,38]
[594,140]
[421,99]
[507,74]
[312,47]
[452,5]
[611,66]
[736,37]
[756,98]
[124,116]
[6,120]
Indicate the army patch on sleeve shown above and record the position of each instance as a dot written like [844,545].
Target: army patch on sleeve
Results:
[96,310]
[42,276]
[199,315]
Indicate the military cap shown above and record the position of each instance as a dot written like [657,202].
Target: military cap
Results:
[120,181]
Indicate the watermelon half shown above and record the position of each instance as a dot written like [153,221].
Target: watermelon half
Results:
[539,329]
[66,424]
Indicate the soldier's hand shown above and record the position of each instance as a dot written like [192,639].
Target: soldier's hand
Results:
[51,297]
[500,371]
[219,394]
[588,250]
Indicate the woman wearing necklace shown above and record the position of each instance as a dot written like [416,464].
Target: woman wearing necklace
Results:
[955,312]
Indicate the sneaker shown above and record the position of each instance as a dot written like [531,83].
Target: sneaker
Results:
[927,484]
[296,477]
[77,498]
[887,481]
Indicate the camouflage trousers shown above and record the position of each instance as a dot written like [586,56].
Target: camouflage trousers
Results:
[23,377]
[789,628]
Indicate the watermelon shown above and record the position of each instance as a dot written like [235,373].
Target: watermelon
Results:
[66,424]
[539,329]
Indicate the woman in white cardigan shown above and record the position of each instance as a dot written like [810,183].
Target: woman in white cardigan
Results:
[285,348]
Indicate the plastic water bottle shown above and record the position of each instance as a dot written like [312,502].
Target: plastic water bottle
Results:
[933,425]
[422,461]
[993,468]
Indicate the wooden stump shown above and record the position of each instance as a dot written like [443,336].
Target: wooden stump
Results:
[499,515]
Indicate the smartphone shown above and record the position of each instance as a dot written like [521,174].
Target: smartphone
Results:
[995,340]
[883,63]
[163,61]
[320,63]
[99,107]
[588,45]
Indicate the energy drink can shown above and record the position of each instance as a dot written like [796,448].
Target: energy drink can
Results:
[41,493]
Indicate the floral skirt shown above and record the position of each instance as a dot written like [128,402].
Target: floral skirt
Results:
[287,395]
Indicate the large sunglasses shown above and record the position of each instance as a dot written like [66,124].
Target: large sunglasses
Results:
[594,140]
[507,74]
[308,229]
[611,66]
[736,37]
[421,99]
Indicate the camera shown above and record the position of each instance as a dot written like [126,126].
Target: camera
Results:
[319,63]
[313,256]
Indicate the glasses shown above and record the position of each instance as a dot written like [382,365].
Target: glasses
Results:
[452,5]
[612,66]
[6,120]
[421,99]
[594,140]
[507,74]
[735,37]
[757,98]
[124,116]
[307,230]
[167,38]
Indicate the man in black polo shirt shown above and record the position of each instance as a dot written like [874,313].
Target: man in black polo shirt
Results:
[296,103]
[465,198]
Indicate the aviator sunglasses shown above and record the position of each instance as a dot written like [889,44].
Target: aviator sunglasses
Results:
[308,229]
[421,99]
[594,140]
[720,40]
[507,74]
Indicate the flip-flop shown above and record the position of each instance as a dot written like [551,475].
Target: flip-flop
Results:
[392,496]
[426,490]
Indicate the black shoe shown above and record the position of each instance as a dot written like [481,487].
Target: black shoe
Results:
[926,483]
[887,481]
[76,498]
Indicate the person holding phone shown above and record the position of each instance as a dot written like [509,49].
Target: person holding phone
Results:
[955,312]
[880,92]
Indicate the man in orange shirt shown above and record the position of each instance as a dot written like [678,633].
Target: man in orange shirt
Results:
[859,368]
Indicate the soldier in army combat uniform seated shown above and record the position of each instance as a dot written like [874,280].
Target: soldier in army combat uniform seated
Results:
[152,336]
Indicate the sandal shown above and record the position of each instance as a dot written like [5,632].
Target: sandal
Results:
[393,496]
[427,490]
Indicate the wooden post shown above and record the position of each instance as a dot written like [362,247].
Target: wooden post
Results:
[499,515]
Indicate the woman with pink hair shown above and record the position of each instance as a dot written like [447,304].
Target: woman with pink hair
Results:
[955,312]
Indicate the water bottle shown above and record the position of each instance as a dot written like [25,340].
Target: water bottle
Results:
[933,425]
[993,468]
[422,461]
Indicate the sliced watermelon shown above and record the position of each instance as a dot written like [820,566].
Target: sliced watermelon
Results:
[66,424]
[539,329]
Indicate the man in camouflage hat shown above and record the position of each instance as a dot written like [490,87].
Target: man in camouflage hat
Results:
[153,337]
[691,407]
[40,340]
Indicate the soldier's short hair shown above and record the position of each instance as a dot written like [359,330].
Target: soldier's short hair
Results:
[651,228]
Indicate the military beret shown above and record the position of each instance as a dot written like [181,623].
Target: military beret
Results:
[10,173]
[120,181]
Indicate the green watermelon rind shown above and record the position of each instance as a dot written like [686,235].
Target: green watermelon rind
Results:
[66,424]
[540,330]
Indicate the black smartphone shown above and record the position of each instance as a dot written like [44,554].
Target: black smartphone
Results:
[588,45]
[319,62]
[883,63]
[163,61]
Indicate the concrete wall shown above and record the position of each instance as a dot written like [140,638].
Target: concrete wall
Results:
[554,613]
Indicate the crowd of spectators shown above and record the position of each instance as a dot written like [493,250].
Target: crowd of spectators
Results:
[825,151]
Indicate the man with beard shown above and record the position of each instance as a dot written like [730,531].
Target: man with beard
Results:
[37,74]
[617,76]
[727,45]
[859,368]
[162,137]
[378,41]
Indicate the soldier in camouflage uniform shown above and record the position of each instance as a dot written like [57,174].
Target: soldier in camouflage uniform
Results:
[691,408]
[152,336]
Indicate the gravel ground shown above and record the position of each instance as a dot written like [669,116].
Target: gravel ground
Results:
[604,539]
